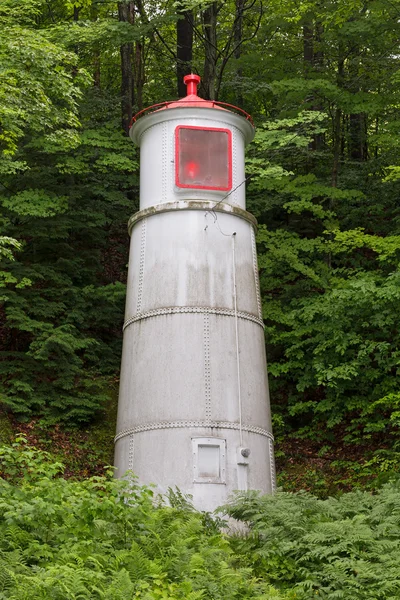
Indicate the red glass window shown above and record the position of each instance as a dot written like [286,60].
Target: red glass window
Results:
[203,158]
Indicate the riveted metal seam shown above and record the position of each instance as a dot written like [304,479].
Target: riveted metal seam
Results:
[146,130]
[256,276]
[165,155]
[192,425]
[235,183]
[206,310]
[272,464]
[131,451]
[141,266]
[207,368]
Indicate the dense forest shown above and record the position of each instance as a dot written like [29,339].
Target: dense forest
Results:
[322,82]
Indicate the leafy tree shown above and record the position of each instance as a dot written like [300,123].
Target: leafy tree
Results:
[56,201]
[321,80]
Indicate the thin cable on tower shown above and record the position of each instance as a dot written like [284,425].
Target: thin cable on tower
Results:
[212,210]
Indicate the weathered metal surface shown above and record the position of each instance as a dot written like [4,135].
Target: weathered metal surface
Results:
[194,387]
[165,457]
[210,208]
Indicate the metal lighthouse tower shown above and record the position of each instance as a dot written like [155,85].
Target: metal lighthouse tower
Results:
[193,407]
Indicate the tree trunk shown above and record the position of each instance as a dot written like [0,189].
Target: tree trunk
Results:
[96,50]
[318,58]
[238,34]
[318,61]
[308,47]
[75,46]
[184,47]
[210,60]
[313,57]
[126,13]
[336,145]
[337,129]
[139,74]
[357,137]
[357,121]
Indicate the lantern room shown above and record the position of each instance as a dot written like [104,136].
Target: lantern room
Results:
[190,151]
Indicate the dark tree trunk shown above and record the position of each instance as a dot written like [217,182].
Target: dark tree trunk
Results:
[318,58]
[184,47]
[238,34]
[126,13]
[96,51]
[336,146]
[75,46]
[210,60]
[308,46]
[358,137]
[357,134]
[139,74]
[337,128]
[313,57]
[139,70]
[318,62]
[96,69]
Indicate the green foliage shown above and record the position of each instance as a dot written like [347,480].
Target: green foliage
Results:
[335,548]
[6,431]
[37,93]
[103,538]
[329,289]
[339,341]
[63,303]
[322,82]
[19,461]
[7,245]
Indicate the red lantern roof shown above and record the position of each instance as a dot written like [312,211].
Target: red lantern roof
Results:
[191,100]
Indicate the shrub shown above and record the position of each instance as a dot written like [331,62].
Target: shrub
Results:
[105,539]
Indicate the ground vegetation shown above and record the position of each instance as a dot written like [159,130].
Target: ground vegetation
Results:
[322,83]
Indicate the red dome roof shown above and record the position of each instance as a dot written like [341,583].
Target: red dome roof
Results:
[192,100]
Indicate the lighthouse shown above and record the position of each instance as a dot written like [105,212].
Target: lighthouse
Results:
[193,409]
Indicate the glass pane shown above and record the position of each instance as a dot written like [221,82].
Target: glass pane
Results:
[204,158]
[208,461]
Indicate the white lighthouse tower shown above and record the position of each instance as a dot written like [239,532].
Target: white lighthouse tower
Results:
[193,407]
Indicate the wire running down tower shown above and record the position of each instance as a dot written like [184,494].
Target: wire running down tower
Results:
[193,408]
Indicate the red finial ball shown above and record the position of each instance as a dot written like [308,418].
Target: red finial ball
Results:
[191,81]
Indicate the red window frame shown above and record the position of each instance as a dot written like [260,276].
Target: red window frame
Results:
[203,187]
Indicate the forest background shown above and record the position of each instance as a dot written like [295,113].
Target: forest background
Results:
[322,82]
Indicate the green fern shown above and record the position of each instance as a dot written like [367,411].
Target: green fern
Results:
[336,548]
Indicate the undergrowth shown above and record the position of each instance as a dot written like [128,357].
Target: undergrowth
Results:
[106,539]
[346,547]
[101,538]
